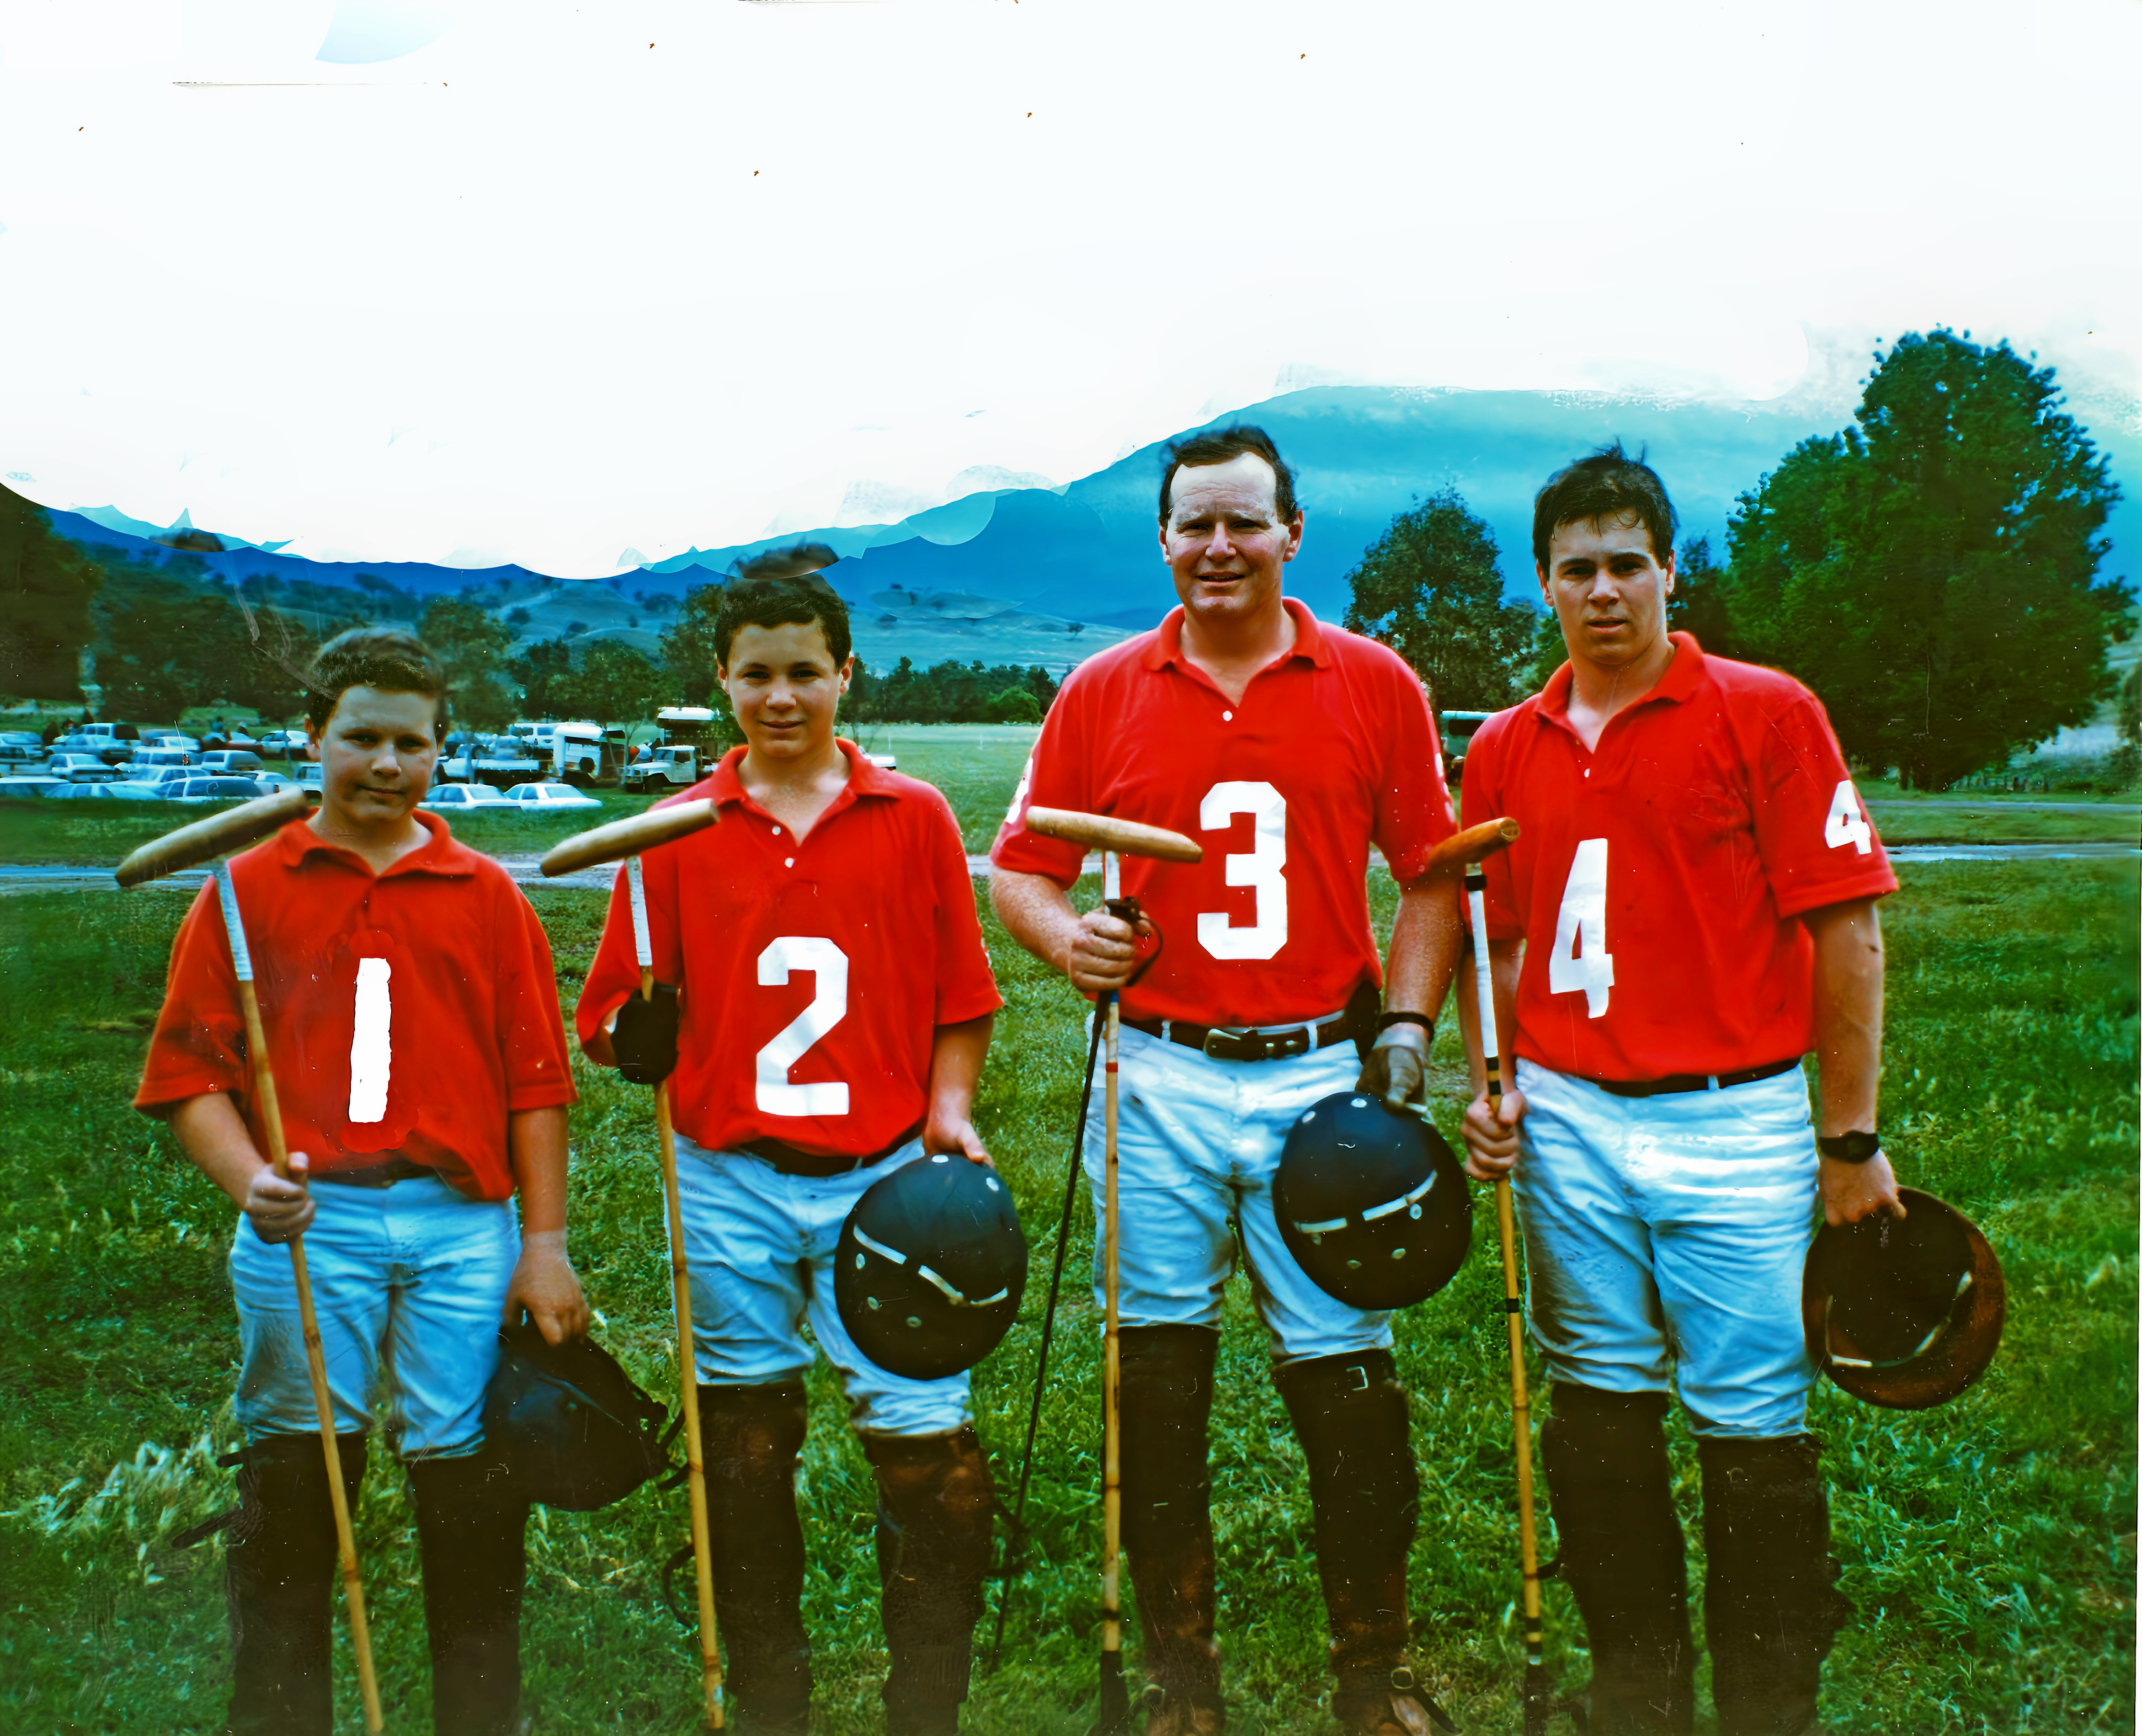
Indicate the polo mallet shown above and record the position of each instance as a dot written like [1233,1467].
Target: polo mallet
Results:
[627,838]
[1472,847]
[211,841]
[1115,838]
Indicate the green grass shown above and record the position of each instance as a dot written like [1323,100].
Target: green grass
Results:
[1990,1544]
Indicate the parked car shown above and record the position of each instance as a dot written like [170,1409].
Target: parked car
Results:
[171,739]
[119,790]
[213,789]
[284,742]
[231,738]
[1458,729]
[159,778]
[884,762]
[272,782]
[308,774]
[84,767]
[113,732]
[238,763]
[32,785]
[465,798]
[156,758]
[549,797]
[663,768]
[21,748]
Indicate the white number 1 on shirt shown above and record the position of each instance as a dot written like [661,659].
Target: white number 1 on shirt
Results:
[1847,824]
[829,1006]
[1579,958]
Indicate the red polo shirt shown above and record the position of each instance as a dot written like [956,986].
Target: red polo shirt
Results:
[1656,879]
[1332,748]
[407,1012]
[814,976]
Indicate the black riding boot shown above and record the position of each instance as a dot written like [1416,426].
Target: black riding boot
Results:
[1166,1404]
[471,1534]
[1350,1415]
[1623,1556]
[1771,1606]
[752,1436]
[935,1502]
[280,1572]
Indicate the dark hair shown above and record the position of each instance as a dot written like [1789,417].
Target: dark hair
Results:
[1217,446]
[1608,484]
[781,588]
[390,659]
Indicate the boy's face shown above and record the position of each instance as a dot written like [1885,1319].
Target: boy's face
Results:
[785,687]
[375,756]
[1608,590]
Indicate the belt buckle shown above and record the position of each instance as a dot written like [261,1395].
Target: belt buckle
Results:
[1221,1045]
[1296,1042]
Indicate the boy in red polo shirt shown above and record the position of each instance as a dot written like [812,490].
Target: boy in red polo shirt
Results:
[407,995]
[828,1010]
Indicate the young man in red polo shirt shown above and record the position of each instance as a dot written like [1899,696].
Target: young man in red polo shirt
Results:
[1693,892]
[1289,746]
[411,1016]
[826,1011]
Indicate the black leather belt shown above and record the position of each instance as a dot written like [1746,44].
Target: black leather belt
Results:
[1277,1044]
[791,1161]
[397,1168]
[1675,1083]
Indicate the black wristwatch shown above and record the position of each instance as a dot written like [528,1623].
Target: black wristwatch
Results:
[1848,1147]
[1384,1021]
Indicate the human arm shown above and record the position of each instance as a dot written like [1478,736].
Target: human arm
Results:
[215,1137]
[1848,1039]
[1491,1136]
[1095,951]
[1426,941]
[544,1283]
[956,1054]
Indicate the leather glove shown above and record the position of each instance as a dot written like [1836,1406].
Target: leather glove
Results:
[1394,1070]
[645,1037]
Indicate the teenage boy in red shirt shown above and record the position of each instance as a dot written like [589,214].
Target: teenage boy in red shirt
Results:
[411,1016]
[830,1012]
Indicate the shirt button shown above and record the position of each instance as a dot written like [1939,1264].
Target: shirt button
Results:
[776,832]
[789,863]
[1226,717]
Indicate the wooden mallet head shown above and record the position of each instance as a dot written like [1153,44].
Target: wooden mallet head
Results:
[1104,831]
[1475,844]
[220,835]
[623,838]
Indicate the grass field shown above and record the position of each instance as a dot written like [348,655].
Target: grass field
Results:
[1990,1544]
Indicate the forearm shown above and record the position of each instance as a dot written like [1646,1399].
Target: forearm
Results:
[1038,915]
[536,1147]
[1848,966]
[216,1139]
[1427,941]
[956,1054]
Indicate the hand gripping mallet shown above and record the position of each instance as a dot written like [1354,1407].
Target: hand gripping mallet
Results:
[211,841]
[627,838]
[1115,838]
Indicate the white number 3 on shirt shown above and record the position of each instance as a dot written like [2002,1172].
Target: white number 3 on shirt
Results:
[1579,958]
[1848,823]
[1261,867]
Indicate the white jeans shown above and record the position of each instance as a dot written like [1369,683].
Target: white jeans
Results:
[1668,1233]
[1198,1142]
[760,1247]
[408,1280]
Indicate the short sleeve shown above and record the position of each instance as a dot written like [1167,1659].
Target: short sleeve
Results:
[1817,842]
[1059,774]
[966,985]
[1412,801]
[1481,792]
[531,1032]
[198,1044]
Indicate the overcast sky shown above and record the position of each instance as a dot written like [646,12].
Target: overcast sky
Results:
[576,286]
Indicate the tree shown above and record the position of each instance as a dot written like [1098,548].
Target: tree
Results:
[173,637]
[1699,604]
[1932,571]
[1015,705]
[614,684]
[474,648]
[688,650]
[1431,589]
[47,584]
[545,671]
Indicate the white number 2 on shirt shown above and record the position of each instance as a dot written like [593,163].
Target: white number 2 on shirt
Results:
[1258,867]
[828,1007]
[1847,823]
[1579,958]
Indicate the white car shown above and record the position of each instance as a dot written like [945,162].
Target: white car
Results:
[270,782]
[20,787]
[549,797]
[212,789]
[171,740]
[466,798]
[119,791]
[85,767]
[231,762]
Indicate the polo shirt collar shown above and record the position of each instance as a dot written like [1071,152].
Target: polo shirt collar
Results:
[1681,679]
[865,778]
[442,853]
[1309,639]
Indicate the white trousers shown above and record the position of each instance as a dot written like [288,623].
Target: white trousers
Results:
[408,1282]
[760,1246]
[1665,1236]
[1198,1142]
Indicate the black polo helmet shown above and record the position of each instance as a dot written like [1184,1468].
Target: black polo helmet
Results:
[1371,1203]
[1904,1312]
[568,1424]
[931,1267]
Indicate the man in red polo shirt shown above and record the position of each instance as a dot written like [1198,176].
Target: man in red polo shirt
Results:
[412,1015]
[1289,747]
[1688,910]
[828,1009]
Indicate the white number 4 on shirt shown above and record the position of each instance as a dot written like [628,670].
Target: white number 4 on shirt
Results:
[1847,823]
[1579,959]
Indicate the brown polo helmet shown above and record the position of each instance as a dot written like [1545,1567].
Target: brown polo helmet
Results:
[1904,1313]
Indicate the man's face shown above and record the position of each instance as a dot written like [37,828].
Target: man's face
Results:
[1224,541]
[375,753]
[785,687]
[1608,590]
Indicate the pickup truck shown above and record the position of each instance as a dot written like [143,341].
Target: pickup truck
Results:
[505,763]
[670,767]
[1458,729]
